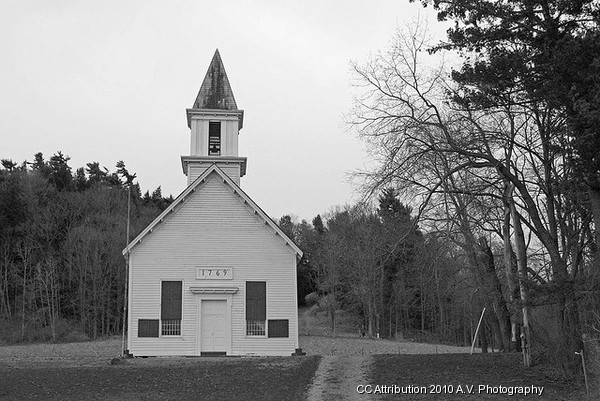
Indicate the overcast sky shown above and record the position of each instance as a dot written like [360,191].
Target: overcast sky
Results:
[110,80]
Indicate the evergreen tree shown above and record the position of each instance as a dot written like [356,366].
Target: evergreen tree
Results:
[60,172]
[96,175]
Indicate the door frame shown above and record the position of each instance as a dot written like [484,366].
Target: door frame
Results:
[213,297]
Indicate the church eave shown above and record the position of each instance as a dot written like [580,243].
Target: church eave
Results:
[242,161]
[216,113]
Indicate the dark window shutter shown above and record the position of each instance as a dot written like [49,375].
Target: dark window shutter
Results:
[256,300]
[279,328]
[148,328]
[170,302]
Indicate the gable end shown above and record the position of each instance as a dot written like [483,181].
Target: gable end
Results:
[236,190]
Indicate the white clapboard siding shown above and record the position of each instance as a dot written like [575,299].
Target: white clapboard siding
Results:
[215,227]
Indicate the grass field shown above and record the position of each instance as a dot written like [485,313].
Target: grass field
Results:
[453,376]
[83,371]
[165,379]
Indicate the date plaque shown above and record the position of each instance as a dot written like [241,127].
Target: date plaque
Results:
[214,273]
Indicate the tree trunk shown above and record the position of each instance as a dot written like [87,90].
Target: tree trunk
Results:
[332,315]
[466,333]
[502,324]
[483,340]
[594,195]
[401,308]
[570,335]
[5,308]
[370,320]
[422,302]
[398,335]
[522,269]
[444,330]
[511,270]
[25,250]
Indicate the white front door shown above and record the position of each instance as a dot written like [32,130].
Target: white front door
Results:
[213,326]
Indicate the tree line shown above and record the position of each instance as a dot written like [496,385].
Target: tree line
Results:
[377,264]
[62,274]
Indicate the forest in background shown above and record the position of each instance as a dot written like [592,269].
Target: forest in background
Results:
[62,274]
[376,264]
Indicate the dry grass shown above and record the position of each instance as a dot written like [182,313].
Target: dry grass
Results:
[316,338]
[100,353]
[462,371]
[358,346]
[90,353]
[315,322]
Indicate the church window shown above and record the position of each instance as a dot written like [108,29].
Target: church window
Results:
[256,308]
[170,308]
[214,138]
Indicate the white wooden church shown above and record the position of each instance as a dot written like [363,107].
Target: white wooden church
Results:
[213,274]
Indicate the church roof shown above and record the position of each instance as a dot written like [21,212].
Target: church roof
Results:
[191,189]
[215,92]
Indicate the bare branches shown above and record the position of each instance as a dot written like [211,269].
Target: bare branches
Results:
[433,150]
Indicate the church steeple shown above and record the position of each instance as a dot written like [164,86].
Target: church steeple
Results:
[215,92]
[215,121]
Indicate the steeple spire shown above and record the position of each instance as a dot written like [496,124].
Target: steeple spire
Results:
[215,123]
[215,92]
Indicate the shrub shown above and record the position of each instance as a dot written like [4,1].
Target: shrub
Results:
[311,298]
[36,332]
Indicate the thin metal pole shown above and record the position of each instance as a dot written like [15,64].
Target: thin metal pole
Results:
[477,331]
[587,388]
[126,273]
[128,211]
[125,328]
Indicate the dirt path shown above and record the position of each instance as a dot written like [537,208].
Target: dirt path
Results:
[337,378]
[348,360]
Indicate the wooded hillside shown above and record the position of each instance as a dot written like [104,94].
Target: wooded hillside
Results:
[61,236]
